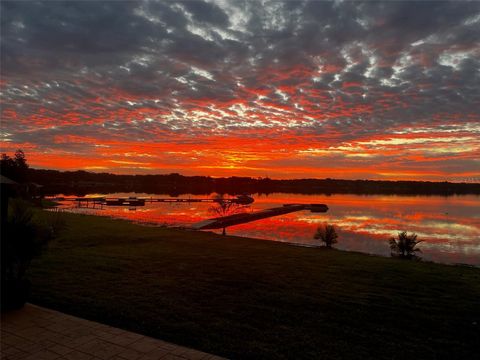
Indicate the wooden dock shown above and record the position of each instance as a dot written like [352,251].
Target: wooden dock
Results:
[141,201]
[236,219]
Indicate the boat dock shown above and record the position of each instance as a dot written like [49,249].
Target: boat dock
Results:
[141,201]
[236,219]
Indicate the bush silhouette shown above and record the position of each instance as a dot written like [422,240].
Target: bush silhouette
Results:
[22,240]
[404,246]
[327,234]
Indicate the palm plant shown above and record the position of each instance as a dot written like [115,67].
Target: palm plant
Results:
[404,246]
[327,234]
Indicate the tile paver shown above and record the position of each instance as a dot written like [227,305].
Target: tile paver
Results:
[36,333]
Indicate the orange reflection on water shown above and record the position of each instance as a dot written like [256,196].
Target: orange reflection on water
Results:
[448,226]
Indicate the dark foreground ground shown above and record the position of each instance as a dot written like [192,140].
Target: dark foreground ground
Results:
[244,298]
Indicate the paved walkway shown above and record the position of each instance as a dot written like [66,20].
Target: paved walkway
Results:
[36,333]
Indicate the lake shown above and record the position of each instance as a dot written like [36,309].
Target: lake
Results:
[448,226]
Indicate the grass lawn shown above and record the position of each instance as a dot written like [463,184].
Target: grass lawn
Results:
[243,298]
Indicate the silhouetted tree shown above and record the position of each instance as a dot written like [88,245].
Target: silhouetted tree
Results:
[14,168]
[404,246]
[7,163]
[327,234]
[224,207]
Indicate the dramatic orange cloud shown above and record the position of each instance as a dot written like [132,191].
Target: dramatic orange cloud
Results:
[318,94]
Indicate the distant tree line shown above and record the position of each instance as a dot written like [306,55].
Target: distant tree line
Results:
[82,182]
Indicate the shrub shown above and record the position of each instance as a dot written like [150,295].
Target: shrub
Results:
[327,233]
[22,240]
[404,246]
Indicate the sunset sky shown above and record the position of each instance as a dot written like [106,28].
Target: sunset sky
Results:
[353,90]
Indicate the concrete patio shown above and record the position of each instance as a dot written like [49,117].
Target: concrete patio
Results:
[37,333]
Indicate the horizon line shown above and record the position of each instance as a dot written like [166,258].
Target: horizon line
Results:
[474,179]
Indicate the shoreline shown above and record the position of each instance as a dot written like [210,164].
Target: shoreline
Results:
[295,244]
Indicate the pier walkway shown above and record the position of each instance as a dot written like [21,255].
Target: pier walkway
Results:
[241,218]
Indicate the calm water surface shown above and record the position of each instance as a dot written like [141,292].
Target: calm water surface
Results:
[448,226]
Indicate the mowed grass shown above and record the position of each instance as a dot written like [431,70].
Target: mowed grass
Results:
[243,298]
